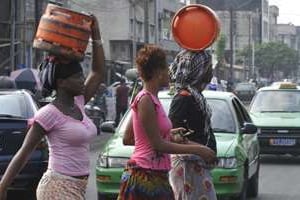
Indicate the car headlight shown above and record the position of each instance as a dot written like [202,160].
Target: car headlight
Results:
[258,130]
[102,161]
[228,163]
[112,162]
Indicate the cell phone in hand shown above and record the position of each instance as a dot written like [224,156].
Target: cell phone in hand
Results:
[189,132]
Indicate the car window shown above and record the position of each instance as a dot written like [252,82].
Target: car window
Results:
[14,105]
[222,118]
[244,112]
[276,101]
[238,112]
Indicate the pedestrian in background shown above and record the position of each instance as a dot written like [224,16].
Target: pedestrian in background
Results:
[190,175]
[100,98]
[66,126]
[122,95]
[150,130]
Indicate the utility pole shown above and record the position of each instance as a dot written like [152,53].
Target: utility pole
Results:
[12,33]
[24,37]
[231,50]
[146,21]
[250,46]
[156,20]
[133,4]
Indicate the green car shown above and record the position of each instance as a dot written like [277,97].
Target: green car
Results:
[238,151]
[275,110]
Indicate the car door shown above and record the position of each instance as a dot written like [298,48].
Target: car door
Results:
[250,141]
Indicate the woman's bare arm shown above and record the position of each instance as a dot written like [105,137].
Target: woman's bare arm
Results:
[32,139]
[128,138]
[97,74]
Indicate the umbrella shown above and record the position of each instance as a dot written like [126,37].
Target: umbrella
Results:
[26,78]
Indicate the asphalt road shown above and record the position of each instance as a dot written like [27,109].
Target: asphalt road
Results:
[279,178]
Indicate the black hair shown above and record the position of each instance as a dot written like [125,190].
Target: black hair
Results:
[52,69]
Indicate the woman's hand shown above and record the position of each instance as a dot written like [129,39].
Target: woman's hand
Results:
[208,155]
[176,135]
[95,28]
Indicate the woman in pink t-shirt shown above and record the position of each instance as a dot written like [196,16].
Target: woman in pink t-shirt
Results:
[67,128]
[146,174]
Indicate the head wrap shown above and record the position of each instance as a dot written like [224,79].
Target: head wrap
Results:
[52,69]
[187,71]
[189,68]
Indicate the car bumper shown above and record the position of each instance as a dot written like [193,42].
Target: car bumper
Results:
[108,180]
[267,145]
[228,182]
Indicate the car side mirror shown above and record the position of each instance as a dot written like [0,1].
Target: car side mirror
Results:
[108,126]
[249,128]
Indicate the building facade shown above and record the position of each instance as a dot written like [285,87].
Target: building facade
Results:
[126,25]
[18,22]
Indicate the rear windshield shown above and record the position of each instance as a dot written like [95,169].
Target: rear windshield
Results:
[13,105]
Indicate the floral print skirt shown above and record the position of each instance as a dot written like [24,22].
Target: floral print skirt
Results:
[191,179]
[144,184]
[55,186]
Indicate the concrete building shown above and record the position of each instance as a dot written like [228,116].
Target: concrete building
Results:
[273,16]
[126,27]
[18,23]
[287,34]
[250,20]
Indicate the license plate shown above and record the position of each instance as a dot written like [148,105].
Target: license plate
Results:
[282,142]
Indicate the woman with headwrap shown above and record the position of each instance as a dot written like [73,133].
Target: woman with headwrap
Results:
[149,129]
[190,175]
[67,128]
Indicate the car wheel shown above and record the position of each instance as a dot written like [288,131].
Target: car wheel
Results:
[243,194]
[252,190]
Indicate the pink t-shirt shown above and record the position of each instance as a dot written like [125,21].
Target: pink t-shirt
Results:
[68,139]
[143,154]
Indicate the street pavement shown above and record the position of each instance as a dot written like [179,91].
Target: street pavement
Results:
[91,192]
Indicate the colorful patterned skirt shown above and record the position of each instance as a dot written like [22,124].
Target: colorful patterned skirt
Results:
[191,179]
[55,186]
[144,184]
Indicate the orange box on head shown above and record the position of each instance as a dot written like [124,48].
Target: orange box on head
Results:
[63,32]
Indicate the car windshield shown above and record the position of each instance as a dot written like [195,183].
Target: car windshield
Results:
[222,119]
[276,101]
[13,105]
